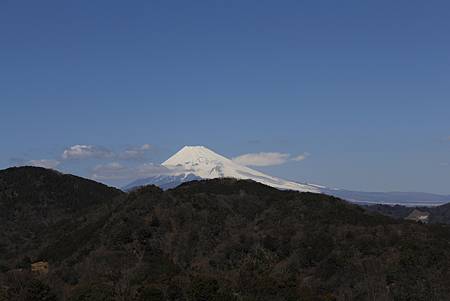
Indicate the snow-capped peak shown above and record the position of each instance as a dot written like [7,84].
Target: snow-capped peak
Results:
[198,162]
[193,154]
[206,164]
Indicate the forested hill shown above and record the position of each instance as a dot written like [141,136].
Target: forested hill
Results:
[38,206]
[223,239]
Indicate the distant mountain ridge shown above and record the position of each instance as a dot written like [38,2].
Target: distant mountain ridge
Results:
[390,198]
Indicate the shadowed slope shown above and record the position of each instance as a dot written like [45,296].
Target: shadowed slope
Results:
[38,206]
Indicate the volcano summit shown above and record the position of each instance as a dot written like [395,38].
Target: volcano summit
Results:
[199,162]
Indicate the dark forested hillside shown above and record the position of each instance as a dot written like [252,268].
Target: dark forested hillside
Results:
[221,239]
[39,206]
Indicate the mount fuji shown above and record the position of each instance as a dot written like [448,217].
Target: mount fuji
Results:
[199,162]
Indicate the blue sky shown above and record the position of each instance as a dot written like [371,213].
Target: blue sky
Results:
[362,87]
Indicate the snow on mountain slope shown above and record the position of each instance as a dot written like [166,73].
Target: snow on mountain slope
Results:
[162,181]
[198,162]
[206,164]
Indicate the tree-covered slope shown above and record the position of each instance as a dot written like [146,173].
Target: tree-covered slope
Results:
[225,239]
[39,206]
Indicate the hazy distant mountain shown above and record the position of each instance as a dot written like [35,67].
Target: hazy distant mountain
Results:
[199,162]
[404,198]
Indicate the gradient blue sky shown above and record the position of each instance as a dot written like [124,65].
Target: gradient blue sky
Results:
[362,86]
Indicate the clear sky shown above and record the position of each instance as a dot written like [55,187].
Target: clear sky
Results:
[360,89]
